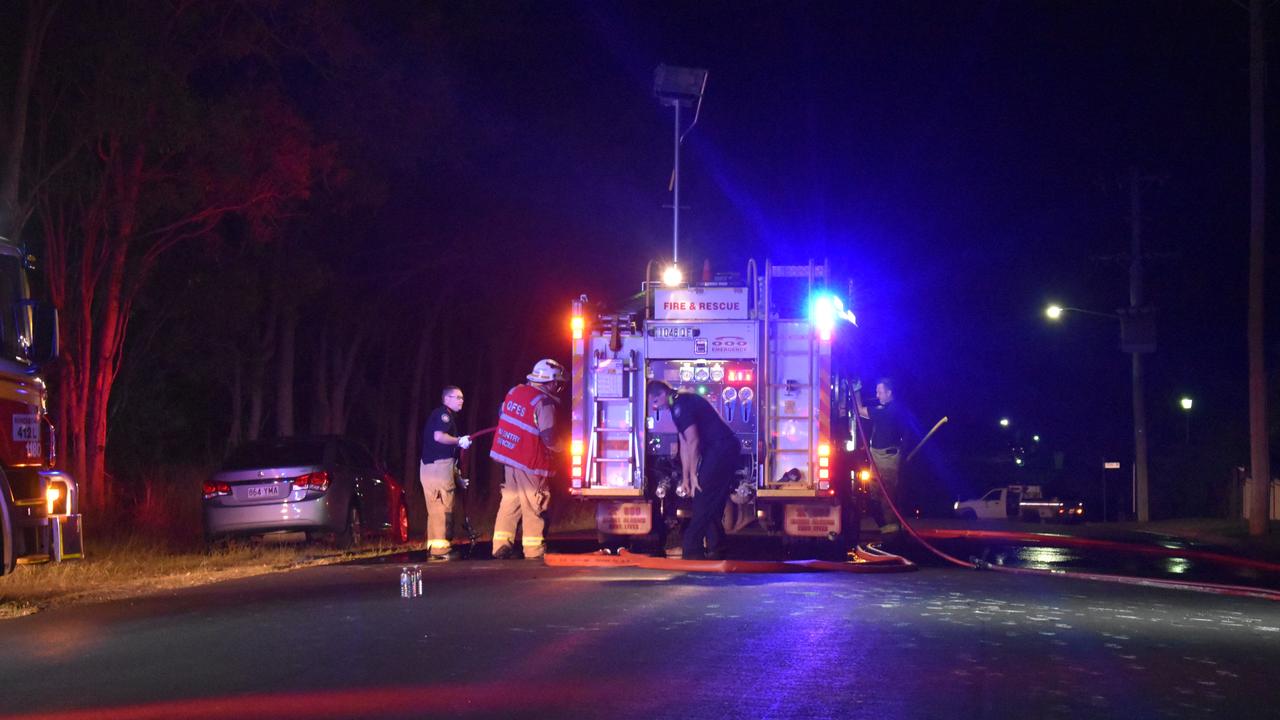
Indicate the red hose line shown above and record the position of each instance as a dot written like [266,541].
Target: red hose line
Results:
[466,454]
[901,520]
[1097,544]
[1212,588]
[1203,587]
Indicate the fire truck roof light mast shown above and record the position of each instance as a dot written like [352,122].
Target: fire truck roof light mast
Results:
[679,87]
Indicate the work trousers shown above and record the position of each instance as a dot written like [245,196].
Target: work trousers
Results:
[524,502]
[438,487]
[887,462]
[715,478]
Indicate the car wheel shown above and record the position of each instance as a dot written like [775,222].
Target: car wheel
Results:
[353,533]
[400,530]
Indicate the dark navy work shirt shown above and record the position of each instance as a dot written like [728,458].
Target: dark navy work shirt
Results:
[888,426]
[442,419]
[693,409]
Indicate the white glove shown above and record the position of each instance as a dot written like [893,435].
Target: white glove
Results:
[464,442]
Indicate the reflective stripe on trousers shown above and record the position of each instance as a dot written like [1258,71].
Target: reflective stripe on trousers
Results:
[438,489]
[524,504]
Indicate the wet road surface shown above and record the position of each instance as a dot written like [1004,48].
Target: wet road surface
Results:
[494,639]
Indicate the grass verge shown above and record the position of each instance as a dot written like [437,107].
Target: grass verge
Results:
[132,566]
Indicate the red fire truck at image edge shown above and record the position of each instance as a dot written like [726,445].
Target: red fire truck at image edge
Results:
[39,518]
[764,350]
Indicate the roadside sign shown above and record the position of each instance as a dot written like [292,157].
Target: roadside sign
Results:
[1109,465]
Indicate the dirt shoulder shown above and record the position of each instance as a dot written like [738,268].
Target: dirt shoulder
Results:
[134,567]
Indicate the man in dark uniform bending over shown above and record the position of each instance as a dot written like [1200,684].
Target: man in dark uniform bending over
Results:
[709,457]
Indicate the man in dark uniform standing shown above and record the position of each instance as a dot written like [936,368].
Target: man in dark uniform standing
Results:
[888,437]
[709,457]
[440,443]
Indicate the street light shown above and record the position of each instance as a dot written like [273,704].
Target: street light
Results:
[1004,422]
[1137,336]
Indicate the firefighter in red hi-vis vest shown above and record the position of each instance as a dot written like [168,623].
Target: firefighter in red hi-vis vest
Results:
[525,444]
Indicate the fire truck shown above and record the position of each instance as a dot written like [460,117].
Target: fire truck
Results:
[764,349]
[39,506]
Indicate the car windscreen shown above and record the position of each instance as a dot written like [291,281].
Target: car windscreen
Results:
[275,453]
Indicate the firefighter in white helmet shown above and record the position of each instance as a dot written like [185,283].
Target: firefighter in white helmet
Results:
[525,444]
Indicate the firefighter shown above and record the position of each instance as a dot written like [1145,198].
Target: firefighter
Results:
[440,443]
[525,444]
[709,456]
[888,436]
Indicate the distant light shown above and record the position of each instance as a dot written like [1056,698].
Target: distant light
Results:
[672,276]
[1186,402]
[1035,438]
[1053,312]
[1017,461]
[1004,422]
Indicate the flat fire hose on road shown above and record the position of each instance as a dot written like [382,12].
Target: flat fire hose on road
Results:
[868,561]
[1204,587]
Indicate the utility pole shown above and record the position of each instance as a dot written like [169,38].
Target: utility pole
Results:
[1130,321]
[1259,445]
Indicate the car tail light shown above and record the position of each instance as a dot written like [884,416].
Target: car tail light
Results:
[214,489]
[318,481]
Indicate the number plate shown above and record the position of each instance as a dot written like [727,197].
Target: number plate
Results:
[263,491]
[26,428]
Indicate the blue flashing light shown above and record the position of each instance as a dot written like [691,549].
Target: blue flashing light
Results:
[822,313]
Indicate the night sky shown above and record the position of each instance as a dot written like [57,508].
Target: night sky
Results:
[961,163]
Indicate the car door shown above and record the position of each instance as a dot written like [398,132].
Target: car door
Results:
[372,486]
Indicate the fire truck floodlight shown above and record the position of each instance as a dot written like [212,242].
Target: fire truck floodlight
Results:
[577,324]
[672,277]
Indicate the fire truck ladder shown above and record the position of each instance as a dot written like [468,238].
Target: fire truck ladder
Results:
[611,471]
[790,423]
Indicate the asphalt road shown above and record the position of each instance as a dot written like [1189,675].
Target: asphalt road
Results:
[494,639]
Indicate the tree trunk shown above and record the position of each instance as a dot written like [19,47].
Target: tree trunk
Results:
[414,416]
[12,213]
[285,371]
[236,434]
[342,383]
[321,422]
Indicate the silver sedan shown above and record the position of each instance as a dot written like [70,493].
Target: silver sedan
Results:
[327,486]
